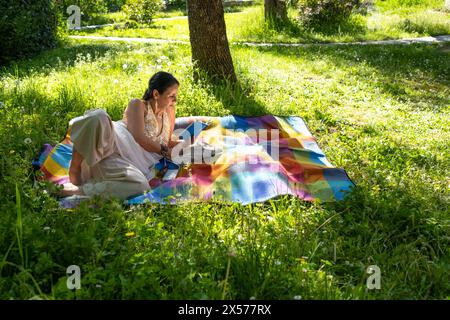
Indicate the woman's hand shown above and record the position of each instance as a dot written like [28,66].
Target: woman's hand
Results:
[173,143]
[165,150]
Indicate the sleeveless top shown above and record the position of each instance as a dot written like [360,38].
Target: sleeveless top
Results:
[152,129]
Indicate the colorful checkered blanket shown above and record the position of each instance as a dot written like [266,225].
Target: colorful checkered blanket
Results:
[260,158]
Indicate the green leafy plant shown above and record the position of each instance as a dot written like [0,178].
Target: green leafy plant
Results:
[315,12]
[142,11]
[178,4]
[26,28]
[114,5]
[88,7]
[131,24]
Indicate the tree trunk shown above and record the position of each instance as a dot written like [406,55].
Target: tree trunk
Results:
[275,11]
[208,35]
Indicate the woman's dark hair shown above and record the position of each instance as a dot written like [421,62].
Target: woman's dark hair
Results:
[160,81]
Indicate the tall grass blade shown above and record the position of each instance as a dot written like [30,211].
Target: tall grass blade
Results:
[19,229]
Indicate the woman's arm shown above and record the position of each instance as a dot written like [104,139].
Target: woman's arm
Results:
[135,124]
[171,113]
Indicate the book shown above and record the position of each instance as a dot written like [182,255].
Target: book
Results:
[171,171]
[166,169]
[193,130]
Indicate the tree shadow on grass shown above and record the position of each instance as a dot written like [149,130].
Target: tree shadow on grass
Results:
[289,28]
[354,28]
[58,59]
[393,229]
[412,73]
[391,220]
[235,97]
[293,29]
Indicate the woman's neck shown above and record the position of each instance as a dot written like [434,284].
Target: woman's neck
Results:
[156,110]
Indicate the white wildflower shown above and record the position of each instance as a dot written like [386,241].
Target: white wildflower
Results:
[159,61]
[116,81]
[124,66]
[27,141]
[46,228]
[252,298]
[278,262]
[232,252]
[297,297]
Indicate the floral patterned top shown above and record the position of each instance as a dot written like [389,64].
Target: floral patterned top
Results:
[153,130]
[155,127]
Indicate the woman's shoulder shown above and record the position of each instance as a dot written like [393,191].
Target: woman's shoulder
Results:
[136,105]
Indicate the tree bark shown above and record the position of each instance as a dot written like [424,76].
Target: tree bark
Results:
[208,36]
[275,10]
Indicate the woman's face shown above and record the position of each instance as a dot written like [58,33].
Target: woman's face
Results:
[168,98]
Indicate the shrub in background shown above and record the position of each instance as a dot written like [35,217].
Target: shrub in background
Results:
[321,12]
[88,7]
[131,24]
[175,4]
[114,5]
[26,28]
[142,10]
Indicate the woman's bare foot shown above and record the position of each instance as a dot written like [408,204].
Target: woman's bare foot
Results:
[69,189]
[75,168]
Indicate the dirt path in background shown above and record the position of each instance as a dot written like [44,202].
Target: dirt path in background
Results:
[436,39]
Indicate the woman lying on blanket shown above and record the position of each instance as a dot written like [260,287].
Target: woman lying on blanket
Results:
[116,157]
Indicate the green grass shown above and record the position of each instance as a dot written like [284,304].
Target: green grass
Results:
[388,20]
[171,14]
[121,17]
[105,18]
[379,112]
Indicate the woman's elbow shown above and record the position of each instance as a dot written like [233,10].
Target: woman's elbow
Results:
[147,144]
[140,140]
